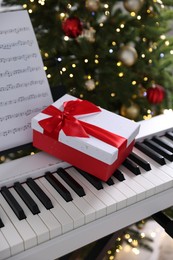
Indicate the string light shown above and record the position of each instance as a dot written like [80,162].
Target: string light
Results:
[134,82]
[113,43]
[121,74]
[46,55]
[119,63]
[133,14]
[66,38]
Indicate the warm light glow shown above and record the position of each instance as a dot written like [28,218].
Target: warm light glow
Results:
[119,63]
[64,69]
[71,75]
[127,236]
[138,17]
[134,82]
[25,6]
[73,65]
[48,76]
[162,37]
[45,68]
[121,74]
[46,55]
[66,38]
[113,43]
[118,30]
[142,234]
[62,15]
[86,60]
[135,251]
[133,14]
[167,43]
[145,78]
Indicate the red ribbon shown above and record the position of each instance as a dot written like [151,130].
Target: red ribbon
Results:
[65,120]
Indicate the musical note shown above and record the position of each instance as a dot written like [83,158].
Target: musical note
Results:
[14,30]
[24,57]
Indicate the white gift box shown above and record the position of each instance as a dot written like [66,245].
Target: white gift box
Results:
[93,154]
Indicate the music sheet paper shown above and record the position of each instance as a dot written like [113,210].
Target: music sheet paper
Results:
[24,89]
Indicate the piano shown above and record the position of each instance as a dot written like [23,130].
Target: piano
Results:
[46,213]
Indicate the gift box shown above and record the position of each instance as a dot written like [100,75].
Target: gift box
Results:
[84,135]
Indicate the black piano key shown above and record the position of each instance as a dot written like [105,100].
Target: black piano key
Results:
[71,182]
[119,175]
[110,182]
[26,198]
[39,193]
[140,161]
[92,179]
[1,223]
[157,148]
[58,187]
[168,146]
[134,168]
[13,203]
[169,135]
[152,154]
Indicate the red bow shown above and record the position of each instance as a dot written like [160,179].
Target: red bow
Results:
[71,126]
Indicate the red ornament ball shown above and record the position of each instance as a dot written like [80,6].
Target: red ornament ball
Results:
[155,94]
[72,27]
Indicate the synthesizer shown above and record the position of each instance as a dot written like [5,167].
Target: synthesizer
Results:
[49,208]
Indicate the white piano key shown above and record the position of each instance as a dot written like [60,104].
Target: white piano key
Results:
[45,215]
[101,194]
[4,247]
[157,171]
[11,235]
[131,196]
[120,199]
[22,226]
[80,203]
[77,216]
[42,231]
[59,213]
[141,180]
[138,189]
[95,202]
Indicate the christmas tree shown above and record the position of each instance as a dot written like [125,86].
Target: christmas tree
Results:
[116,54]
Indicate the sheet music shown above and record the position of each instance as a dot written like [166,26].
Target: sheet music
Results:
[24,89]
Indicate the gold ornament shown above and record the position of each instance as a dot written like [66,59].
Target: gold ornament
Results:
[128,55]
[90,84]
[92,5]
[133,5]
[89,34]
[131,112]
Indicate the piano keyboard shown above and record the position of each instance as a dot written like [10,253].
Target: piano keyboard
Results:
[49,208]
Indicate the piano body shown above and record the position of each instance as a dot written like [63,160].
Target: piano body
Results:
[68,226]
